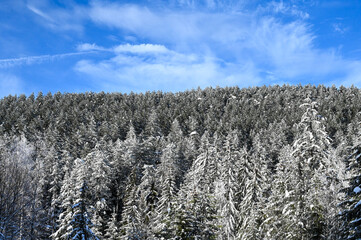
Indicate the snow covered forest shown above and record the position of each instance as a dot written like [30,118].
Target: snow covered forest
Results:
[280,162]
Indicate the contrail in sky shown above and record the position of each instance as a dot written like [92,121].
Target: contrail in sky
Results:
[11,62]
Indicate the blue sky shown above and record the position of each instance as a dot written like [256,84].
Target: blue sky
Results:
[175,45]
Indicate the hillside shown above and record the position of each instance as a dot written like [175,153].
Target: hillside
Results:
[279,162]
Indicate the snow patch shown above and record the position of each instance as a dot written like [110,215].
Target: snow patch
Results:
[357,204]
[356,220]
[193,133]
[357,190]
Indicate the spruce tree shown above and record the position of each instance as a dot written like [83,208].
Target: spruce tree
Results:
[252,179]
[166,174]
[131,225]
[112,230]
[352,204]
[148,200]
[302,179]
[99,185]
[227,189]
[75,219]
[198,213]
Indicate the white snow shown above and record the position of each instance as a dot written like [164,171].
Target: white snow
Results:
[357,204]
[193,133]
[356,220]
[357,190]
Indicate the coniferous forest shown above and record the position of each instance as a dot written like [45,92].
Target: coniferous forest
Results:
[279,162]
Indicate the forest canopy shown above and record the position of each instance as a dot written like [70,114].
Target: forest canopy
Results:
[277,162]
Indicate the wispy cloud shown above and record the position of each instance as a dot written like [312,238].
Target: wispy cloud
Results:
[141,48]
[178,44]
[40,13]
[241,45]
[151,67]
[125,48]
[286,8]
[28,60]
[85,47]
[339,28]
[56,18]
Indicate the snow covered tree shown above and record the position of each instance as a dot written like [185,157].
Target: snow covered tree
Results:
[148,199]
[153,129]
[125,160]
[251,178]
[227,188]
[303,178]
[75,219]
[197,217]
[281,211]
[56,176]
[311,153]
[176,136]
[166,173]
[352,204]
[131,225]
[192,142]
[268,143]
[334,180]
[99,185]
[292,190]
[131,148]
[112,230]
[16,188]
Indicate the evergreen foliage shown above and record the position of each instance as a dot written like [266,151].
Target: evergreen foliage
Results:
[280,162]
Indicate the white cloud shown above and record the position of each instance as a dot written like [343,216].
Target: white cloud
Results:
[58,19]
[213,47]
[168,71]
[284,8]
[219,5]
[163,26]
[40,13]
[90,47]
[10,85]
[141,48]
[126,48]
[339,28]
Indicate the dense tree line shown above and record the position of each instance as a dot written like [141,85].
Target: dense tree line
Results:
[280,162]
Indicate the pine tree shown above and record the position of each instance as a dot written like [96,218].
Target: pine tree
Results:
[131,226]
[281,211]
[166,173]
[335,180]
[303,179]
[74,221]
[192,142]
[56,176]
[43,226]
[352,204]
[148,199]
[227,188]
[125,160]
[176,136]
[112,231]
[99,186]
[311,150]
[197,218]
[251,178]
